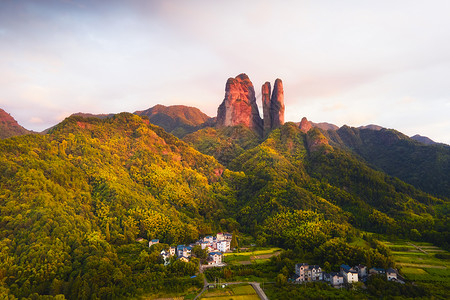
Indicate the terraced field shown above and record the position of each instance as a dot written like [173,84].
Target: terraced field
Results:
[244,258]
[418,262]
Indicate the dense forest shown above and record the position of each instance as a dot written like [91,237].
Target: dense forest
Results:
[79,204]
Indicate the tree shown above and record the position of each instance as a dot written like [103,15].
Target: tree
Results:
[234,242]
[280,280]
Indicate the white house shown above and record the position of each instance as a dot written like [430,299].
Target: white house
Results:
[223,246]
[350,275]
[208,239]
[172,251]
[306,272]
[183,250]
[204,244]
[220,236]
[214,258]
[166,256]
[391,274]
[335,279]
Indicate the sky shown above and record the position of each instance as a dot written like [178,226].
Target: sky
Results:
[344,62]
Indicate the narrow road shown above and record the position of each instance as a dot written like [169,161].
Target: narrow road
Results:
[418,248]
[205,282]
[259,290]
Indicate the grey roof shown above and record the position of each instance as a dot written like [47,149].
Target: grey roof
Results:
[390,270]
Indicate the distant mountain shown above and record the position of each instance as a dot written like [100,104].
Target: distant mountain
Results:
[9,126]
[177,119]
[371,127]
[424,166]
[89,115]
[325,126]
[423,139]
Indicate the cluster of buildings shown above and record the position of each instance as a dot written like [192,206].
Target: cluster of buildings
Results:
[214,245]
[346,275]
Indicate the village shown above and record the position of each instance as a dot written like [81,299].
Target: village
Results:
[346,275]
[216,246]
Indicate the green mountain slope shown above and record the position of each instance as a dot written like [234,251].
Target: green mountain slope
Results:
[72,203]
[424,166]
[293,170]
[9,127]
[75,203]
[176,119]
[225,143]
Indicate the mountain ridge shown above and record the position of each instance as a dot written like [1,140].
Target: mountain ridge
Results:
[9,127]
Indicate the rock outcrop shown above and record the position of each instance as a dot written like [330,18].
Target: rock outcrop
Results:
[305,125]
[265,94]
[277,105]
[239,105]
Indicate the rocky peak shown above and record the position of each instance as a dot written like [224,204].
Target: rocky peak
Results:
[305,125]
[277,105]
[265,94]
[239,105]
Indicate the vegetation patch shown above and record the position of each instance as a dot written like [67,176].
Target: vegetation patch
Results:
[234,292]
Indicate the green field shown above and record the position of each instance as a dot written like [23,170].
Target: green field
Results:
[423,268]
[233,292]
[190,294]
[257,256]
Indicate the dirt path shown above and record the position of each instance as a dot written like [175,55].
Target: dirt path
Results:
[418,248]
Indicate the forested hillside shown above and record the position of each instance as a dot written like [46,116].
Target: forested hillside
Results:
[291,169]
[424,166]
[79,204]
[72,203]
[9,127]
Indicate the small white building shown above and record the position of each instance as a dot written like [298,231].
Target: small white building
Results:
[172,251]
[166,256]
[335,279]
[306,272]
[220,236]
[208,239]
[350,275]
[183,250]
[223,246]
[391,274]
[204,244]
[214,258]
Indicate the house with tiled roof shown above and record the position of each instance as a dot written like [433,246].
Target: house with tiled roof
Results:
[333,278]
[215,258]
[152,242]
[307,273]
[350,275]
